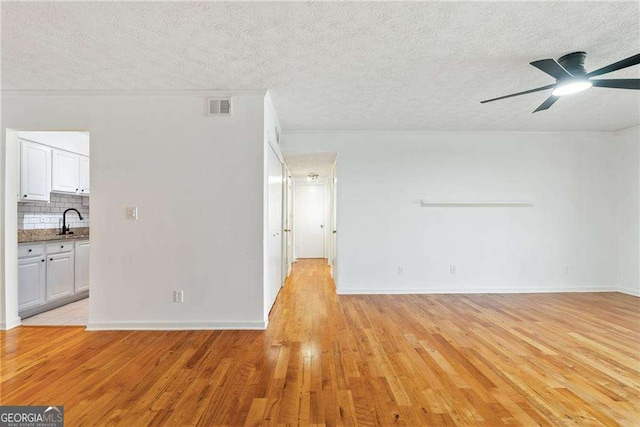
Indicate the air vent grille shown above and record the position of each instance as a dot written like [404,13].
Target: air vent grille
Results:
[220,107]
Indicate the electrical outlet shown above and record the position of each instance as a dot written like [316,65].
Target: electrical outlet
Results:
[178,296]
[452,269]
[399,270]
[43,218]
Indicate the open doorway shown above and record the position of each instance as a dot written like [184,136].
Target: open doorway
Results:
[313,210]
[53,217]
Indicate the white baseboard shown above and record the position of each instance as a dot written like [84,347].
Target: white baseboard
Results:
[630,291]
[472,290]
[10,324]
[176,326]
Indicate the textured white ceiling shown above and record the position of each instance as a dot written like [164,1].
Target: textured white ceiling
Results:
[336,65]
[302,164]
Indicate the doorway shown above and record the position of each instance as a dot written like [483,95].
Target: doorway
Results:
[313,211]
[52,225]
[287,241]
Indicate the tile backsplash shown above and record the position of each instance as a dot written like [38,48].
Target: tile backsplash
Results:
[36,215]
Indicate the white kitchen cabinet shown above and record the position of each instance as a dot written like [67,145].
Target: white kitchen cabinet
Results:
[51,274]
[65,172]
[35,172]
[82,265]
[31,282]
[84,176]
[60,275]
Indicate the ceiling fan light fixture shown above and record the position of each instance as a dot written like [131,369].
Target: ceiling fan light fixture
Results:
[571,86]
[571,77]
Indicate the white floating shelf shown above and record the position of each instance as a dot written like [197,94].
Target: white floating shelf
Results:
[476,204]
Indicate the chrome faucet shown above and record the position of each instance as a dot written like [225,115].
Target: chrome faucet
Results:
[65,229]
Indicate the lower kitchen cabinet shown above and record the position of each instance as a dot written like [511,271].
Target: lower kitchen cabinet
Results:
[51,274]
[82,265]
[60,276]
[32,278]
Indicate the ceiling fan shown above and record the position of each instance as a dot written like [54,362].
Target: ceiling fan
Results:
[571,77]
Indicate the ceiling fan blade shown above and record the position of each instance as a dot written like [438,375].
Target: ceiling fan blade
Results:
[618,83]
[551,67]
[628,62]
[547,104]
[520,93]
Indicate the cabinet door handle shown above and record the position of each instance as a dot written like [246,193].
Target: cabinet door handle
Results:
[61,247]
[77,189]
[50,259]
[25,196]
[42,260]
[30,250]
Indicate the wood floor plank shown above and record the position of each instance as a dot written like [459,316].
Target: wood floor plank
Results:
[508,359]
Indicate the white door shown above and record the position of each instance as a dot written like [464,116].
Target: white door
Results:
[288,218]
[309,216]
[65,172]
[274,221]
[35,172]
[334,225]
[82,266]
[31,282]
[84,176]
[60,272]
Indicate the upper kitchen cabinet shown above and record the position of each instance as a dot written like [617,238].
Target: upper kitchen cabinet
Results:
[56,162]
[65,171]
[35,172]
[84,176]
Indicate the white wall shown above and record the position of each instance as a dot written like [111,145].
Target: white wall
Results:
[6,323]
[627,169]
[566,242]
[5,294]
[197,182]
[9,179]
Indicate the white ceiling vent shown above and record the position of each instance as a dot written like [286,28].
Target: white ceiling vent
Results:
[220,107]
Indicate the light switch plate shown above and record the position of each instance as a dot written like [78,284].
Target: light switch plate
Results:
[132,213]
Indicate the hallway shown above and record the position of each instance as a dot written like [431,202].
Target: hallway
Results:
[367,360]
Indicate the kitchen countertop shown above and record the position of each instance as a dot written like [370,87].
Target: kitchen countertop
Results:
[51,234]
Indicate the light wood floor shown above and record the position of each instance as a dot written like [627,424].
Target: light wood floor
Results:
[412,360]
